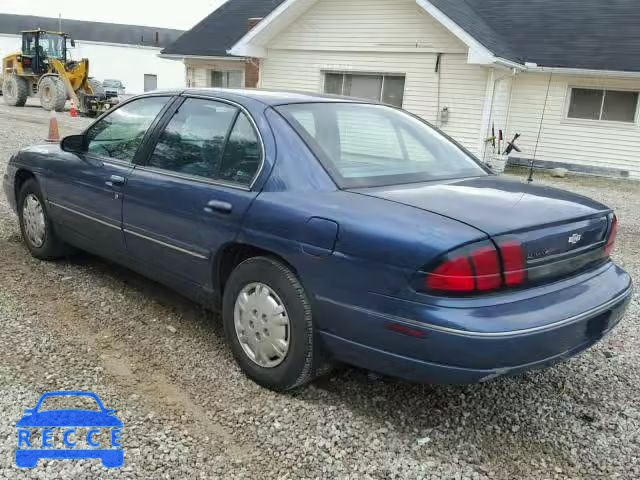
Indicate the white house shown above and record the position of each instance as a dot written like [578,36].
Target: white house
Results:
[129,53]
[565,75]
[204,48]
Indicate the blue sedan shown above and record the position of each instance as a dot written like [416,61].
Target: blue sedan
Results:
[329,230]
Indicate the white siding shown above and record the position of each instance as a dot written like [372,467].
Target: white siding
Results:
[592,143]
[198,70]
[127,63]
[367,25]
[462,91]
[382,36]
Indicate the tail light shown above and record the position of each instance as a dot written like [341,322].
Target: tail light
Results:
[613,233]
[513,262]
[478,268]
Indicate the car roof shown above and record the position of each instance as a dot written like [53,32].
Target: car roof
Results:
[267,97]
[64,393]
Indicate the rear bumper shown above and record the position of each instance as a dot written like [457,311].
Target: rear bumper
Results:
[458,353]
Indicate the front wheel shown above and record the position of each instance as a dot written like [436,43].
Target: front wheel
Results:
[269,326]
[53,93]
[35,224]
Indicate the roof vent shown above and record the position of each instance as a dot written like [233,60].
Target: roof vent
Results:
[253,22]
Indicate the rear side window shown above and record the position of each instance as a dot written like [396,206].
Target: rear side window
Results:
[193,141]
[209,139]
[242,155]
[119,134]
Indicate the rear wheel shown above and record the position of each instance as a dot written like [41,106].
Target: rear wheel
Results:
[53,93]
[269,326]
[15,90]
[35,224]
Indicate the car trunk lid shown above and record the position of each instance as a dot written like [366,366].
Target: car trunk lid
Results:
[560,232]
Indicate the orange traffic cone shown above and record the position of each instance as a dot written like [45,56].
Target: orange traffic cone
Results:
[72,110]
[54,132]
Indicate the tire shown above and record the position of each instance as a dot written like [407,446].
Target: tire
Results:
[15,90]
[45,247]
[302,361]
[53,93]
[96,86]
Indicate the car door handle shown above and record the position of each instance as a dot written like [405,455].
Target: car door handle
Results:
[115,180]
[218,206]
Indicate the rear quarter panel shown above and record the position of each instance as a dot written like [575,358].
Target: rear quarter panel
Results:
[379,244]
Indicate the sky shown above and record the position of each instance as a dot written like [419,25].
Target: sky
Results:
[155,13]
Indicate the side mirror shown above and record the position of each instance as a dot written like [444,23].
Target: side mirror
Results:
[74,144]
[29,410]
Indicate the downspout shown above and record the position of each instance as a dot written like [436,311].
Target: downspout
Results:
[514,73]
[486,111]
[438,78]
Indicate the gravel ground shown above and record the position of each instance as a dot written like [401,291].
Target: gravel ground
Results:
[188,412]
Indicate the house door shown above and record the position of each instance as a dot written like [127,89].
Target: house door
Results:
[150,82]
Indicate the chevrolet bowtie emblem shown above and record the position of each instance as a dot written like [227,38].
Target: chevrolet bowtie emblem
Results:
[575,238]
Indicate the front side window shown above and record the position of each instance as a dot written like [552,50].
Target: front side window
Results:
[112,84]
[607,105]
[387,89]
[364,145]
[29,44]
[209,139]
[52,45]
[119,134]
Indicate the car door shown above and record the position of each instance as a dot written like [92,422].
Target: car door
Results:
[189,197]
[85,194]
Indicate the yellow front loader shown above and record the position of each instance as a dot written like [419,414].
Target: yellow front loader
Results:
[44,69]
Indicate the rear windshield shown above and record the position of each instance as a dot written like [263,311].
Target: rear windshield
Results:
[364,145]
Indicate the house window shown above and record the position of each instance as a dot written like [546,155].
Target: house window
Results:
[226,79]
[150,82]
[597,104]
[387,89]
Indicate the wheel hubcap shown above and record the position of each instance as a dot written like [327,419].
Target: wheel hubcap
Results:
[34,221]
[262,325]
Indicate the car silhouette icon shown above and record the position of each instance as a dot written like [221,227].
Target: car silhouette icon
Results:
[102,418]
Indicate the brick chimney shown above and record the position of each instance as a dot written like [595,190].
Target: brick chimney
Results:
[252,65]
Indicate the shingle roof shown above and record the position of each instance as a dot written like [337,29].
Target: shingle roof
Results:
[587,34]
[92,31]
[218,32]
